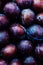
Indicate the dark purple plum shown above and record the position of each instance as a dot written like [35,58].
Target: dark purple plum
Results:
[2,62]
[11,9]
[9,50]
[29,61]
[25,47]
[3,20]
[39,51]
[38,5]
[18,31]
[24,3]
[4,38]
[27,16]
[15,62]
[35,32]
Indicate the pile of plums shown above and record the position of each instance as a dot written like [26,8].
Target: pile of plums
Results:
[21,32]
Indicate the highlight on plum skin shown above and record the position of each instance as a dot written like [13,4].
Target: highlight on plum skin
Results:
[39,18]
